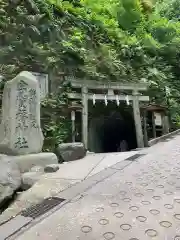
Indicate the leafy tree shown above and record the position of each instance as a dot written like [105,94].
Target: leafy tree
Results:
[119,40]
[169,9]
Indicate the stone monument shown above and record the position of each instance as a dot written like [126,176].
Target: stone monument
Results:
[20,130]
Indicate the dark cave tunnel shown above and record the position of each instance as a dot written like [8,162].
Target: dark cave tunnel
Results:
[115,131]
[111,130]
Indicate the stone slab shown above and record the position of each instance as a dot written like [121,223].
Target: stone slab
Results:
[111,160]
[78,169]
[20,127]
[121,165]
[26,162]
[79,188]
[90,165]
[12,226]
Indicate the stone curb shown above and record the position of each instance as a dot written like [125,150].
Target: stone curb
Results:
[159,139]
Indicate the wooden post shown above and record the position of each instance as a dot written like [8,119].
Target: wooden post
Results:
[165,124]
[85,116]
[145,128]
[137,120]
[73,125]
[153,125]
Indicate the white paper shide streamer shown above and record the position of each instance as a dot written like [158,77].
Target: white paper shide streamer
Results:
[117,100]
[73,116]
[94,99]
[105,100]
[127,100]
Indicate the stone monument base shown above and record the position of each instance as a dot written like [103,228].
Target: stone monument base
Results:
[26,162]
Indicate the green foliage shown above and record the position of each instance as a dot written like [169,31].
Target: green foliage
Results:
[169,9]
[130,14]
[119,40]
[54,119]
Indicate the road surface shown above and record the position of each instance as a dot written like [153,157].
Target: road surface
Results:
[135,200]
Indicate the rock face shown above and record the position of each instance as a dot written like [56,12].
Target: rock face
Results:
[29,179]
[51,168]
[10,179]
[37,169]
[42,189]
[20,127]
[26,162]
[70,151]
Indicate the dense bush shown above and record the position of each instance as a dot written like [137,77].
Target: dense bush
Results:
[119,40]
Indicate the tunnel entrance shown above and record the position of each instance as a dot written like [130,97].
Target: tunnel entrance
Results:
[111,128]
[96,118]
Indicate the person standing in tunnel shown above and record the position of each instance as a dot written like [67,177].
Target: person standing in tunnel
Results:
[123,146]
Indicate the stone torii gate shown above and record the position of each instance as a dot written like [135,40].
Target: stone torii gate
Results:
[113,92]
